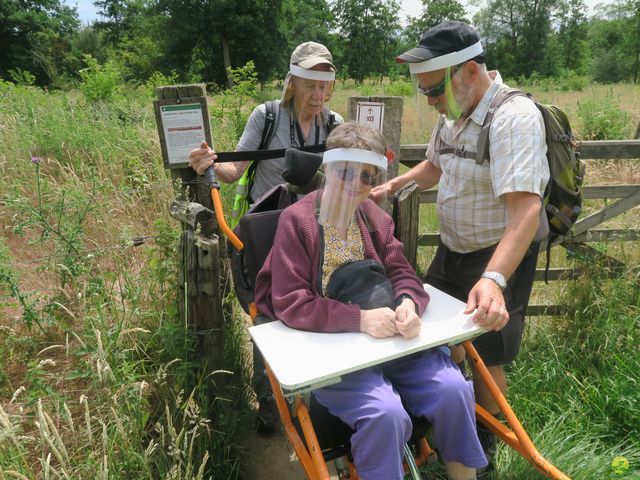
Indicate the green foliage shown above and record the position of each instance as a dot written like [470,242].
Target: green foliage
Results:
[367,28]
[110,362]
[10,288]
[584,369]
[228,113]
[399,88]
[603,119]
[59,214]
[518,36]
[100,82]
[433,13]
[22,77]
[567,81]
[35,38]
[613,39]
[158,79]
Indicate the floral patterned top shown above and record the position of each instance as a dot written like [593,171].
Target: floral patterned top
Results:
[338,251]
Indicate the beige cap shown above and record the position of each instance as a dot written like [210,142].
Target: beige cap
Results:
[309,54]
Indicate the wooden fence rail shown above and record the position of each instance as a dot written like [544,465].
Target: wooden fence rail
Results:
[585,231]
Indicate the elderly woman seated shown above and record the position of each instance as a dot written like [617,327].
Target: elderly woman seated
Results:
[338,225]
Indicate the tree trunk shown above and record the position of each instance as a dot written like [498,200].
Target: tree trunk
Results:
[226,56]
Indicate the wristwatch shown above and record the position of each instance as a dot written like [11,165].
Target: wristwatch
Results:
[496,277]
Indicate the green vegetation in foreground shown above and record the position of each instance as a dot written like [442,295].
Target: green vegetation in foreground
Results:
[98,376]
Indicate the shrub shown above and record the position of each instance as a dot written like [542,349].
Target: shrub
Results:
[159,79]
[400,88]
[22,77]
[100,82]
[229,113]
[603,119]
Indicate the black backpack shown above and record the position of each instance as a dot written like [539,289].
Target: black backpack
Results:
[245,184]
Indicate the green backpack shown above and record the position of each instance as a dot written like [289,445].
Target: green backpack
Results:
[562,199]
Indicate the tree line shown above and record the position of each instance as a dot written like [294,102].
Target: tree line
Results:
[43,41]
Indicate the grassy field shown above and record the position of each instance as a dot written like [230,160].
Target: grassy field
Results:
[98,375]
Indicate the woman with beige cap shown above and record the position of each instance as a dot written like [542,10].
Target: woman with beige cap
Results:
[301,118]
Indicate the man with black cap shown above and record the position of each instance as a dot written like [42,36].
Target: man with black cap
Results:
[488,210]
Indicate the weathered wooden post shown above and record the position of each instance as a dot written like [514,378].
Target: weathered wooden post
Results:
[389,117]
[385,113]
[405,208]
[183,123]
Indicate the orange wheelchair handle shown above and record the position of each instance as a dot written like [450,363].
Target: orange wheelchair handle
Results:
[214,186]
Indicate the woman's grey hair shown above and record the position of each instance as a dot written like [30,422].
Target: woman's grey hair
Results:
[356,135]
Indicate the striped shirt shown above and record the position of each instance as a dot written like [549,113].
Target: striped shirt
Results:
[470,206]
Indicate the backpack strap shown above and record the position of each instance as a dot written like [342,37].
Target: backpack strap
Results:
[458,152]
[443,148]
[331,122]
[502,97]
[270,124]
[268,131]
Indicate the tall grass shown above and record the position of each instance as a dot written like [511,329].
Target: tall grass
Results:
[576,381]
[99,376]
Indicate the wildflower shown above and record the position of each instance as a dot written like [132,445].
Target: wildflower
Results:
[17,393]
[47,362]
[36,160]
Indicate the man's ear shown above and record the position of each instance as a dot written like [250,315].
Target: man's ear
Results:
[471,69]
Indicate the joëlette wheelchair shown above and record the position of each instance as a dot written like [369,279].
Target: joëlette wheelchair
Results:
[317,436]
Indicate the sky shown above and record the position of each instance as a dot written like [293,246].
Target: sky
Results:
[88,12]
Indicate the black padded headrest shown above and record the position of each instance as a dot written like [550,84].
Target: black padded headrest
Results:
[300,167]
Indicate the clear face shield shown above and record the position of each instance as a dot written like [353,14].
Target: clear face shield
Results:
[434,96]
[439,86]
[349,176]
[307,92]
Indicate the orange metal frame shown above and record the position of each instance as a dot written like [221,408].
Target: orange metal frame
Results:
[309,452]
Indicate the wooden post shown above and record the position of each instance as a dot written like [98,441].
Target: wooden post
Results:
[200,247]
[392,125]
[191,186]
[406,204]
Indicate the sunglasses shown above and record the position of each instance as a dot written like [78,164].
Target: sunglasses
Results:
[366,177]
[438,89]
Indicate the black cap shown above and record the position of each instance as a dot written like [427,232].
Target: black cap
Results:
[445,38]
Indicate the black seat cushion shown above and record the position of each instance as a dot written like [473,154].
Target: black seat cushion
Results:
[334,436]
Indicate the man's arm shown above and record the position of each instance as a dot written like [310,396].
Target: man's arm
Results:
[523,209]
[425,174]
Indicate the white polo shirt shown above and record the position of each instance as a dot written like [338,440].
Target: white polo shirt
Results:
[470,206]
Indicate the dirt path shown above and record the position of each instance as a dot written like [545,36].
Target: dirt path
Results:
[273,458]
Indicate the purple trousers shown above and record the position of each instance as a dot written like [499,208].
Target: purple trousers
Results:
[431,385]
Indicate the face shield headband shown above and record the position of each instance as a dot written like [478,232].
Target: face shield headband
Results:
[448,60]
[355,155]
[312,74]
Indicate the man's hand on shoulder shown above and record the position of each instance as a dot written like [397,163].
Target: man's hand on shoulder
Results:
[380,193]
